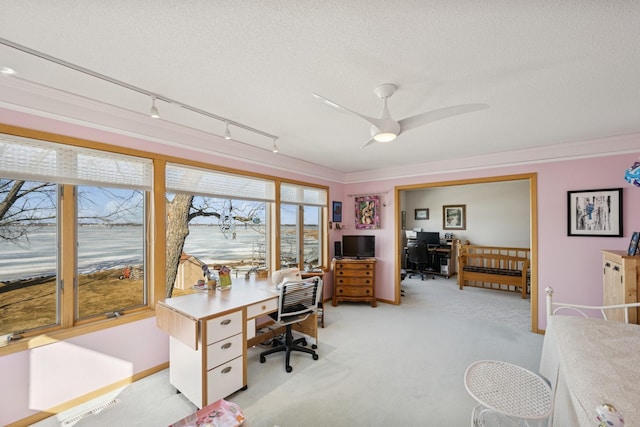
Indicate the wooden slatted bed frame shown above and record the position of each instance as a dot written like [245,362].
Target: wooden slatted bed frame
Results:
[493,265]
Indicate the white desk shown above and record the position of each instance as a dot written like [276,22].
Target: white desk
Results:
[209,331]
[590,362]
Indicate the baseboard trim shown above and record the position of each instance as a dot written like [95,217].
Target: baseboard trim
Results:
[87,397]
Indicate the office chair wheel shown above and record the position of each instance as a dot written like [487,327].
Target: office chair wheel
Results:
[288,368]
[303,342]
[263,359]
[313,346]
[315,357]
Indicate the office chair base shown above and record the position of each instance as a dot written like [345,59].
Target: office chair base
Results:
[290,345]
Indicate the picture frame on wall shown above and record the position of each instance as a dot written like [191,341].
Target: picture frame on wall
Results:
[337,211]
[595,213]
[367,212]
[454,217]
[422,214]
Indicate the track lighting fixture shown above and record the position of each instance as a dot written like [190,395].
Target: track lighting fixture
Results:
[154,110]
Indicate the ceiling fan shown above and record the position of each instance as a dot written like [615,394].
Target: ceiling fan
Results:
[386,129]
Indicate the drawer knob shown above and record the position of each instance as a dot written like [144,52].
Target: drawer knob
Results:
[226,370]
[225,322]
[225,346]
[264,307]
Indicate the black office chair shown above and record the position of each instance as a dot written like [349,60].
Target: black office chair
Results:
[420,258]
[298,300]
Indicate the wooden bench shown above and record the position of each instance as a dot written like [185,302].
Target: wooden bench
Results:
[493,265]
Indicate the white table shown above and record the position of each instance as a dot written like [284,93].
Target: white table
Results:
[590,362]
[507,390]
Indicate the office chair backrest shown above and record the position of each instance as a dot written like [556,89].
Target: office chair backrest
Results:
[417,251]
[299,299]
[287,274]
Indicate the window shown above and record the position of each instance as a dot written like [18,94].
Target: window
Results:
[111,251]
[224,219]
[301,232]
[28,259]
[64,207]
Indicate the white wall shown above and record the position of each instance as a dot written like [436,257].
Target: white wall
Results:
[497,213]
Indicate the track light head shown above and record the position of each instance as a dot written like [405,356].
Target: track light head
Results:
[227,134]
[154,113]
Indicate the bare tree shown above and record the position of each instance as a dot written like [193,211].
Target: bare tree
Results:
[24,205]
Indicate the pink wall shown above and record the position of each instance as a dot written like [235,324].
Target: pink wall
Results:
[571,265]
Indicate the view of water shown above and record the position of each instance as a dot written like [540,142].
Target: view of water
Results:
[102,248]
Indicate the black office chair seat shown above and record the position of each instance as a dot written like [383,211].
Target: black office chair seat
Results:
[421,259]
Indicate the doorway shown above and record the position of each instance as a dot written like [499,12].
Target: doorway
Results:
[400,191]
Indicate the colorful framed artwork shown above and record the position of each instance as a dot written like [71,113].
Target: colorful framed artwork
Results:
[422,214]
[367,212]
[595,213]
[454,217]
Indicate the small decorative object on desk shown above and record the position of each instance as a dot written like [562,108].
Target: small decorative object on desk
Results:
[224,279]
[608,416]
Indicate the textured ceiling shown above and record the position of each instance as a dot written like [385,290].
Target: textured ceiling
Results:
[552,72]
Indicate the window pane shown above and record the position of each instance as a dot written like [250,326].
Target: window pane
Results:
[312,240]
[221,232]
[289,235]
[111,250]
[28,241]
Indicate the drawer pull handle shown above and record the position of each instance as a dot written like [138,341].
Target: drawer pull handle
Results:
[226,370]
[616,268]
[606,264]
[225,322]
[225,346]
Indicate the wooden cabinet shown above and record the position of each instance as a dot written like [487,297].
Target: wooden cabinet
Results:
[621,278]
[354,280]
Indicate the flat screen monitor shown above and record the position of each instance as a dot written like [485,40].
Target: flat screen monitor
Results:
[432,238]
[359,246]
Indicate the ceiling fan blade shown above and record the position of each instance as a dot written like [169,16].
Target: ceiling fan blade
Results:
[439,114]
[371,141]
[371,120]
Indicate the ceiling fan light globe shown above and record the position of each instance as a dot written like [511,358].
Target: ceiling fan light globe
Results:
[384,137]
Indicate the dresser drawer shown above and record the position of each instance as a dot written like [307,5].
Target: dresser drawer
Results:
[354,281]
[223,327]
[262,308]
[224,350]
[354,273]
[354,291]
[224,380]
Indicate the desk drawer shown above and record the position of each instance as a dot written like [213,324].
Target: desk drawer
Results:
[262,308]
[354,291]
[354,281]
[223,327]
[224,380]
[224,350]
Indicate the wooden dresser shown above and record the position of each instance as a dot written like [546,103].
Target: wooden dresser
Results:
[621,280]
[354,280]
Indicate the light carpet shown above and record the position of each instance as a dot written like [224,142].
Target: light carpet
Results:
[384,366]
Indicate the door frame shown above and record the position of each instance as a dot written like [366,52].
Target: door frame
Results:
[533,229]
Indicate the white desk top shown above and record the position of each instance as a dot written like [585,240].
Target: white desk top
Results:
[590,362]
[201,305]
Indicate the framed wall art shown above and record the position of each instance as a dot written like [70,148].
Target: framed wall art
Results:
[595,213]
[454,217]
[367,212]
[422,214]
[337,211]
